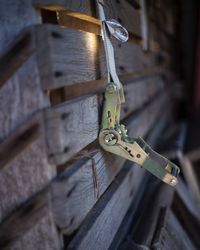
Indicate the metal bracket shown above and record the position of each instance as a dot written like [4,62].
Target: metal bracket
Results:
[113,138]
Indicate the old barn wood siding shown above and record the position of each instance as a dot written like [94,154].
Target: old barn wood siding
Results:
[103,221]
[55,181]
[85,181]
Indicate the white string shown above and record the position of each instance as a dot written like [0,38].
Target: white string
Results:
[109,51]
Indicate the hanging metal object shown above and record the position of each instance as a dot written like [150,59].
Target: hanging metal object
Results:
[113,136]
[117,30]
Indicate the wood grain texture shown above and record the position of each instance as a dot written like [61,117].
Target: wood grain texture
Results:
[67,47]
[15,55]
[171,235]
[20,97]
[30,226]
[126,14]
[103,221]
[78,21]
[119,10]
[84,7]
[84,182]
[15,16]
[43,235]
[27,171]
[151,74]
[138,93]
[70,127]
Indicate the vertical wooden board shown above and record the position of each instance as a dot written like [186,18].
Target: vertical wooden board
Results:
[25,174]
[15,15]
[70,127]
[20,97]
[103,221]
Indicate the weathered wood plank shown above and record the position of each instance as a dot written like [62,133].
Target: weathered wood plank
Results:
[188,199]
[103,221]
[67,47]
[20,97]
[84,7]
[138,93]
[126,14]
[152,136]
[15,17]
[85,181]
[42,235]
[32,224]
[122,11]
[171,235]
[57,50]
[24,166]
[79,22]
[98,86]
[15,55]
[70,127]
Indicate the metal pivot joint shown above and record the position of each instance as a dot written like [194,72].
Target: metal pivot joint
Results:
[113,136]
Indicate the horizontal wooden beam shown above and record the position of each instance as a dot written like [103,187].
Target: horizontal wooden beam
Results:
[150,76]
[66,47]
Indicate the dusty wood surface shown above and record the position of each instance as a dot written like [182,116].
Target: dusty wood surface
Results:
[119,10]
[15,17]
[20,97]
[70,127]
[26,169]
[66,47]
[151,74]
[76,6]
[65,138]
[170,234]
[30,226]
[103,221]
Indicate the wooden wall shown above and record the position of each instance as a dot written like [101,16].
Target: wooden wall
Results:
[58,189]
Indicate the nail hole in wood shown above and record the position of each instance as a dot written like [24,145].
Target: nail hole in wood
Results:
[64,116]
[58,73]
[125,109]
[66,149]
[56,34]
